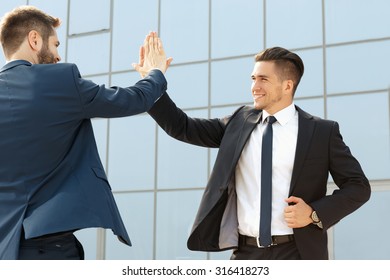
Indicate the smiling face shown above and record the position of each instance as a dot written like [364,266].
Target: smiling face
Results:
[270,92]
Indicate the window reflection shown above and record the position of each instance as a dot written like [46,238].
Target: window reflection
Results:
[82,19]
[175,214]
[132,153]
[181,165]
[137,214]
[293,24]
[348,21]
[233,37]
[184,29]
[362,224]
[358,67]
[312,82]
[90,53]
[231,81]
[128,36]
[364,124]
[188,85]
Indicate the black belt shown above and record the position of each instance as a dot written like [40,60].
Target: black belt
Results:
[254,241]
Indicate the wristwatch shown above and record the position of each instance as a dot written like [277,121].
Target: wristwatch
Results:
[315,219]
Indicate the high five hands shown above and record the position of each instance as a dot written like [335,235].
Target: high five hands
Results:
[152,56]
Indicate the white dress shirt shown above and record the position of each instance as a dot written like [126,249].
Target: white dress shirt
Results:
[248,179]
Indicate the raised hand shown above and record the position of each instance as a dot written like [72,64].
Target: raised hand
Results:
[152,56]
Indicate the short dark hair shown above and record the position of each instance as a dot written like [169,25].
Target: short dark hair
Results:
[289,65]
[16,24]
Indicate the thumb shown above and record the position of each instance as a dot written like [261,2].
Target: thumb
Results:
[293,199]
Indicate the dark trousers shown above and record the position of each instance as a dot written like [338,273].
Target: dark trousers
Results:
[285,251]
[54,247]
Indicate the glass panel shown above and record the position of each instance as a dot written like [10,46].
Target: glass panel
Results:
[58,9]
[184,29]
[87,16]
[293,24]
[231,81]
[132,146]
[90,53]
[365,223]
[137,214]
[188,85]
[127,38]
[348,21]
[181,165]
[358,67]
[125,79]
[364,124]
[132,153]
[88,238]
[312,81]
[314,107]
[175,215]
[237,27]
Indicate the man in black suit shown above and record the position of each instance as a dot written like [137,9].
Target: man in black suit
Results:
[52,181]
[305,150]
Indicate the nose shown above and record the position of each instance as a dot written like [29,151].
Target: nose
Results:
[255,85]
[58,58]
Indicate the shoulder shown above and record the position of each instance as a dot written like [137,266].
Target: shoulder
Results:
[307,116]
[320,125]
[245,111]
[60,69]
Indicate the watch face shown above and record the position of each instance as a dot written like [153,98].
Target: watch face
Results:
[314,217]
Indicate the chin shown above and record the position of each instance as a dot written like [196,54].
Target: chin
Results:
[257,106]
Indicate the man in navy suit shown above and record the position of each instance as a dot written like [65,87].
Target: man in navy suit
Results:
[305,150]
[52,181]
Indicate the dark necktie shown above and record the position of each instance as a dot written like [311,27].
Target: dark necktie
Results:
[266,184]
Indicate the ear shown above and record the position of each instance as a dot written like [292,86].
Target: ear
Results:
[288,86]
[34,40]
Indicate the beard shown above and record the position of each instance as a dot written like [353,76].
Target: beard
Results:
[45,56]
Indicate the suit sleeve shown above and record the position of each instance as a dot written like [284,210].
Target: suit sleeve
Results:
[353,186]
[101,101]
[196,131]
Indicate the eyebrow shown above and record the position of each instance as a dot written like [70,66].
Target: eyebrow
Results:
[259,76]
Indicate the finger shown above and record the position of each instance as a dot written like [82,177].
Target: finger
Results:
[293,199]
[160,46]
[146,44]
[151,42]
[169,61]
[141,55]
[156,40]
[135,66]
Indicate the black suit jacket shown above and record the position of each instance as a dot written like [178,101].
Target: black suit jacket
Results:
[320,150]
[51,176]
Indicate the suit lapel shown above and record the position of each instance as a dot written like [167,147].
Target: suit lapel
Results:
[305,132]
[249,125]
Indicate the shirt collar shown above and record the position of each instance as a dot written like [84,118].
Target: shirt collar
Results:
[283,116]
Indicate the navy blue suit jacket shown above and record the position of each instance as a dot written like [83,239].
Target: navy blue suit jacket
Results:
[51,176]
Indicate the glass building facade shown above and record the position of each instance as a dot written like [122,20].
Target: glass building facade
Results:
[158,181]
